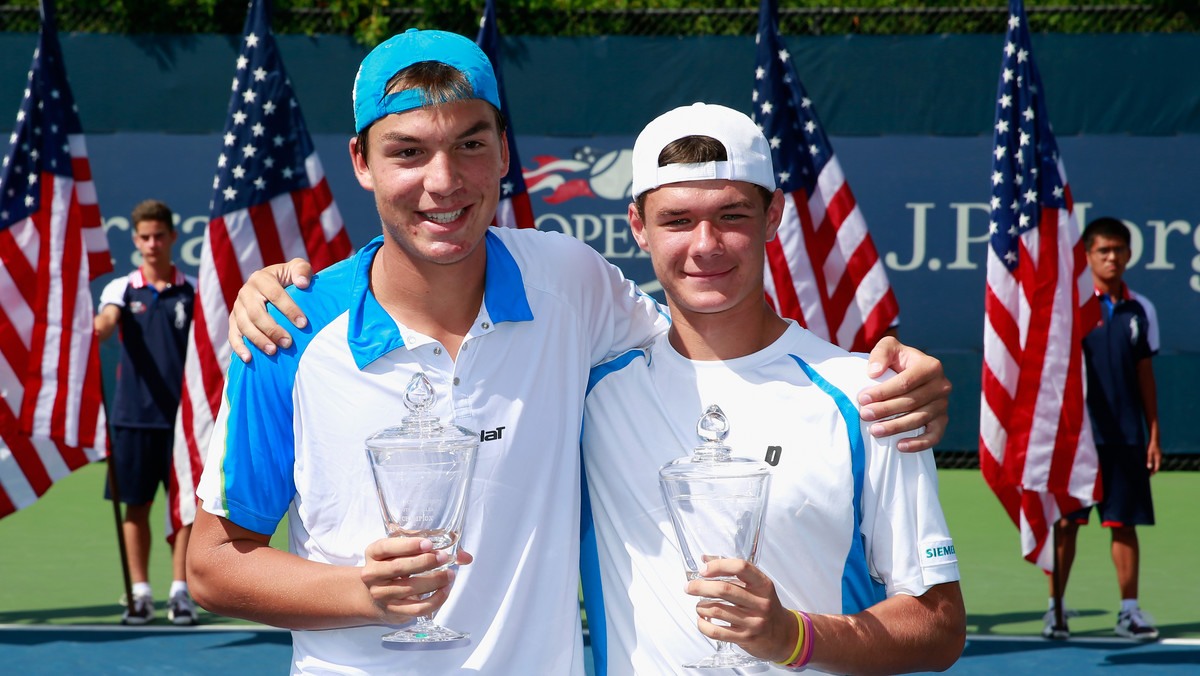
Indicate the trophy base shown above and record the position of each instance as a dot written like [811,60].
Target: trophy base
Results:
[724,660]
[433,634]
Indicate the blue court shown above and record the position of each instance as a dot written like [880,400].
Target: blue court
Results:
[235,651]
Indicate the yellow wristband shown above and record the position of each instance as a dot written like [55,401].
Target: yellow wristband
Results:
[799,641]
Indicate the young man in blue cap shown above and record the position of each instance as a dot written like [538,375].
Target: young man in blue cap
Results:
[505,323]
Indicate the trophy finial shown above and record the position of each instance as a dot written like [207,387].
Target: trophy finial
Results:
[713,426]
[418,396]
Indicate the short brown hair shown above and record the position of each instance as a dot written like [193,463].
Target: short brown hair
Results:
[694,150]
[438,83]
[152,210]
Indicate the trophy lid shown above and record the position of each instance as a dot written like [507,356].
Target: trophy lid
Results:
[420,428]
[712,458]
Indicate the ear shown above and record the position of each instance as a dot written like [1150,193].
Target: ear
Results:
[174,236]
[638,228]
[774,214]
[361,171]
[504,153]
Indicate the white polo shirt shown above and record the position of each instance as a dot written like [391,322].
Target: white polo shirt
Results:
[289,439]
[850,519]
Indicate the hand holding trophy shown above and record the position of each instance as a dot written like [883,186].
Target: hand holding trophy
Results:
[716,502]
[422,470]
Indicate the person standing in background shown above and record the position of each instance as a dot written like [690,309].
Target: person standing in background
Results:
[152,307]
[1121,396]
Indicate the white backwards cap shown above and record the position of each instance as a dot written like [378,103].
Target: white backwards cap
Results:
[748,151]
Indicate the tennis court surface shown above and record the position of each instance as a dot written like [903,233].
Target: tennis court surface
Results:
[232,651]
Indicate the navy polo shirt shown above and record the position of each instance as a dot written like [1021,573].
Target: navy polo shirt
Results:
[154,334]
[1127,333]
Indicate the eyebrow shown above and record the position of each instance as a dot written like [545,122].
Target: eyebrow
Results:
[736,204]
[401,137]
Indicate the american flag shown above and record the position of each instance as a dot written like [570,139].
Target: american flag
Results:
[822,268]
[270,203]
[52,245]
[1035,438]
[514,210]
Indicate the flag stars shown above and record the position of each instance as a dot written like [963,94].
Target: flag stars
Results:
[268,107]
[999,152]
[1025,138]
[1030,196]
[1023,220]
[784,176]
[775,141]
[234,86]
[258,129]
[1027,114]
[248,150]
[784,56]
[260,74]
[506,187]
[251,40]
[249,95]
[814,150]
[1005,100]
[230,138]
[759,73]
[230,193]
[277,140]
[268,162]
[1022,55]
[222,160]
[242,62]
[1010,49]
[997,178]
[1058,192]
[1014,21]
[766,107]
[239,117]
[259,183]
[239,172]
[1008,74]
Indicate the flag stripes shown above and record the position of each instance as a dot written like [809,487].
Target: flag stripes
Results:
[1035,438]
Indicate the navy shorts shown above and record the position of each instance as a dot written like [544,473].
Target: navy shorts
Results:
[1126,482]
[142,460]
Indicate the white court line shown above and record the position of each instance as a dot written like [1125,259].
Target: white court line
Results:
[1085,639]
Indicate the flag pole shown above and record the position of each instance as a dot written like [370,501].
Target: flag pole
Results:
[1056,576]
[115,492]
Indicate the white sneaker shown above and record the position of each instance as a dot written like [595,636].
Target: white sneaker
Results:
[181,609]
[143,610]
[1136,624]
[1051,631]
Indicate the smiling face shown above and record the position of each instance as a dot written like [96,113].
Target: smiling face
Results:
[707,242]
[436,173]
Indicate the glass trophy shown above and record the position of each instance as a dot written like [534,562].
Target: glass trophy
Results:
[422,470]
[716,502]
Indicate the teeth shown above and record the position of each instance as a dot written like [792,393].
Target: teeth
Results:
[444,217]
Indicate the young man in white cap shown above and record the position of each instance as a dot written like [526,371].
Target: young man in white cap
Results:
[506,324]
[856,568]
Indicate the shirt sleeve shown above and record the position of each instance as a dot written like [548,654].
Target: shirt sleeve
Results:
[248,473]
[621,316]
[114,293]
[907,542]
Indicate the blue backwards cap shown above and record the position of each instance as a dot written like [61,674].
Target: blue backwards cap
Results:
[414,46]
